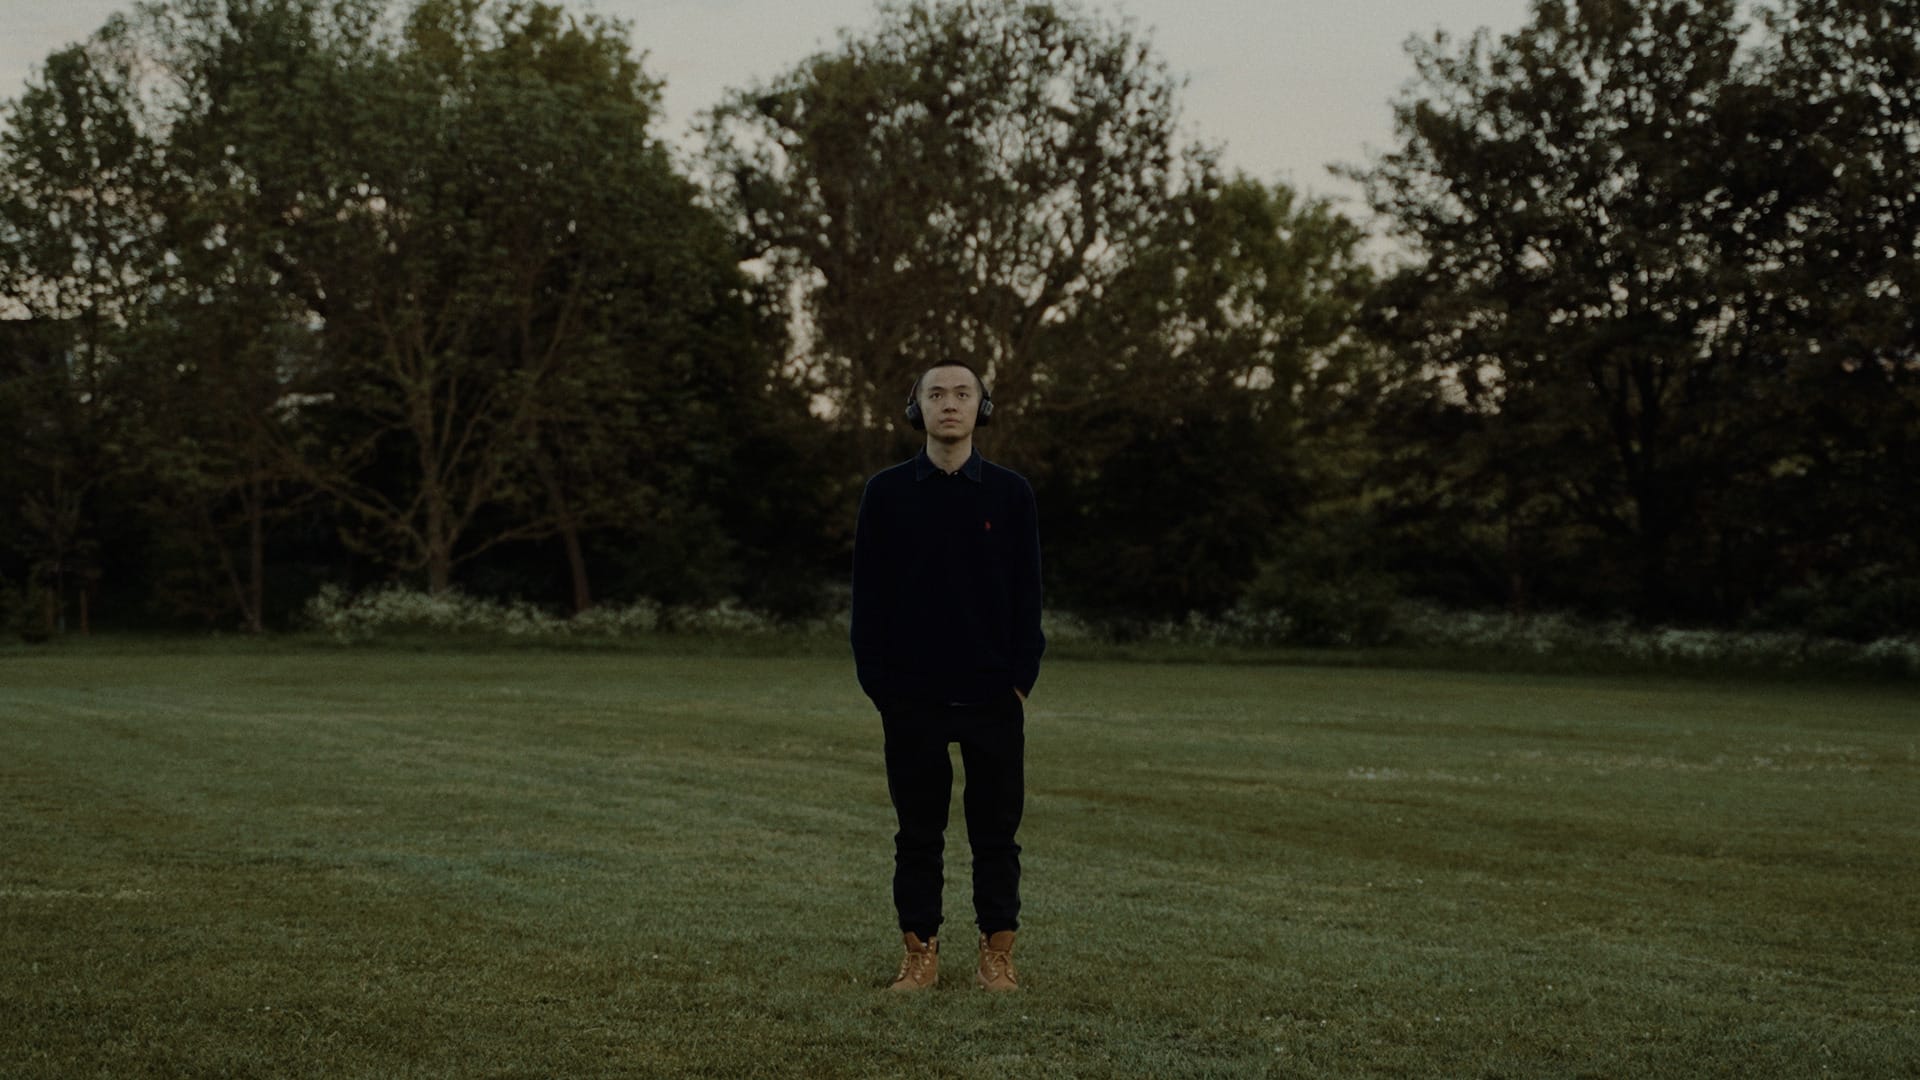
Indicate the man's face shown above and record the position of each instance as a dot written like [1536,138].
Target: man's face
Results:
[949,403]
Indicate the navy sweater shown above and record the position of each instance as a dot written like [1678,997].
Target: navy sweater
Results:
[946,583]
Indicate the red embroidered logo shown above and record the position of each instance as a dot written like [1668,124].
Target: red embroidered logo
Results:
[989,524]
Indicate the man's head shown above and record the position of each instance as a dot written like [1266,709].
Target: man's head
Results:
[948,401]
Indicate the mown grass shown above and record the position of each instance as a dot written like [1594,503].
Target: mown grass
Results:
[247,861]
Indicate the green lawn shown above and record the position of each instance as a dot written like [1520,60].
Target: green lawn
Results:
[244,861]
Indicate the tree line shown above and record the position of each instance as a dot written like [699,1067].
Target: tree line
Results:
[336,291]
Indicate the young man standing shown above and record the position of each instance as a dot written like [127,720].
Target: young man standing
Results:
[947,643]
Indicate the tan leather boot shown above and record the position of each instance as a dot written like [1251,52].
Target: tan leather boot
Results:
[920,968]
[996,963]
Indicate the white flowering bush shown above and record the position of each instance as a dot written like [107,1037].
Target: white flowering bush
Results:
[624,620]
[1549,634]
[1899,655]
[724,619]
[394,610]
[1559,634]
[1238,626]
[1066,628]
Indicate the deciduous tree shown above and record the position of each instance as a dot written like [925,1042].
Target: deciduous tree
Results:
[79,172]
[954,184]
[1580,321]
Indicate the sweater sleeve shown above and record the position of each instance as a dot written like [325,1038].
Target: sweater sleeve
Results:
[869,599]
[1028,640]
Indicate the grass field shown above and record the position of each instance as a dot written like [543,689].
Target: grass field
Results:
[242,861]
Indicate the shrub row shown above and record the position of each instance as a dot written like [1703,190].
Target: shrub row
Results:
[395,611]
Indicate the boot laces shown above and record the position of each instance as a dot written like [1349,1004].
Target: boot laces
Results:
[914,965]
[998,963]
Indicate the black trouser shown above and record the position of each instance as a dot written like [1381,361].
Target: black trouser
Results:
[992,738]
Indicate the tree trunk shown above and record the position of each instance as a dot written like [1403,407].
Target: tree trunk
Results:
[1515,553]
[1657,528]
[577,562]
[255,606]
[439,544]
[569,532]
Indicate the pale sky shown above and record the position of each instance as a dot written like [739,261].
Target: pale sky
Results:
[1288,86]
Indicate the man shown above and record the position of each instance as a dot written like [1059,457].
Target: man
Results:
[947,643]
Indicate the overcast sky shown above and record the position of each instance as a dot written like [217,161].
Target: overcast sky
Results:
[1288,86]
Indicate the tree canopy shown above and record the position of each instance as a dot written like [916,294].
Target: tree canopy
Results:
[437,271]
[352,291]
[1006,185]
[1624,322]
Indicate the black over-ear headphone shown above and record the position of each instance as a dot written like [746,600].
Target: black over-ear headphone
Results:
[981,419]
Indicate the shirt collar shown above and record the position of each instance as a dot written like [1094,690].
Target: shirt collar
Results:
[924,467]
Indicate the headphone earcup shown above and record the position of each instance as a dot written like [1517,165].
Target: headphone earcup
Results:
[986,412]
[914,418]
